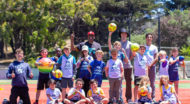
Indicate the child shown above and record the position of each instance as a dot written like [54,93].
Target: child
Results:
[114,71]
[67,63]
[18,71]
[43,77]
[173,68]
[140,68]
[55,59]
[53,94]
[144,91]
[96,94]
[96,67]
[168,94]
[82,64]
[76,95]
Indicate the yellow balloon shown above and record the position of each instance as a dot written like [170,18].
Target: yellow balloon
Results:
[135,47]
[58,74]
[112,27]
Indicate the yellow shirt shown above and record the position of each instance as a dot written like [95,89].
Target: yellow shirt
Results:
[98,91]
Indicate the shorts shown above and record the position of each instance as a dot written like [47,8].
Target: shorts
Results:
[66,82]
[42,83]
[137,80]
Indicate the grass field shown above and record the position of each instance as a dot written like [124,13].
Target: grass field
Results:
[5,87]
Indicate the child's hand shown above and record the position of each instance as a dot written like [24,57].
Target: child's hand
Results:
[110,33]
[31,75]
[72,36]
[82,59]
[133,53]
[13,74]
[86,59]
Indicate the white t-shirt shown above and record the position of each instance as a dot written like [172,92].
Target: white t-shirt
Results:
[164,70]
[55,94]
[150,52]
[140,63]
[114,68]
[77,95]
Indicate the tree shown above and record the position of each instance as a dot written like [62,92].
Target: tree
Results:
[175,28]
[177,4]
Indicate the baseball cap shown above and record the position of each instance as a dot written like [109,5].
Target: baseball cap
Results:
[85,47]
[91,33]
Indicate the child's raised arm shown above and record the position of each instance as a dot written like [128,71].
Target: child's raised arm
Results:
[173,61]
[109,41]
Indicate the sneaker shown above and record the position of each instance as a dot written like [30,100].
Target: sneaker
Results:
[129,101]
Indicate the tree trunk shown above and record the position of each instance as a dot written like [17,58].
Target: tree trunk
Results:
[2,54]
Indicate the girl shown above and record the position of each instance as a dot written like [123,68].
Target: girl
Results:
[144,91]
[168,94]
[82,64]
[173,68]
[53,94]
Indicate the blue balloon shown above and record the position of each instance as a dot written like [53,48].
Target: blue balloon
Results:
[181,58]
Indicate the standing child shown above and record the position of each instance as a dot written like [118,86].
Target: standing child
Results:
[164,63]
[121,55]
[114,71]
[96,67]
[96,94]
[55,59]
[82,64]
[67,63]
[53,94]
[140,68]
[144,91]
[18,71]
[76,95]
[168,94]
[43,77]
[174,68]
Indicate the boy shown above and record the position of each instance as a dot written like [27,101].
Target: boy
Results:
[55,59]
[18,71]
[96,94]
[96,67]
[53,94]
[43,77]
[114,71]
[76,95]
[140,68]
[67,62]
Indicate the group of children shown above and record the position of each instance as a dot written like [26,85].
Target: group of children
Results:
[87,87]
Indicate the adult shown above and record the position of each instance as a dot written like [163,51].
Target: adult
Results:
[92,45]
[125,44]
[151,52]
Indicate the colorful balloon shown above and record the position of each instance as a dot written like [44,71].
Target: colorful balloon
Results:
[181,58]
[112,27]
[135,47]
[45,65]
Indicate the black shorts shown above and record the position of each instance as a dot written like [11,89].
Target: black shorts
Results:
[137,80]
[42,83]
[66,82]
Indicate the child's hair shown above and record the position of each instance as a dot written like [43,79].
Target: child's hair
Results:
[117,43]
[43,49]
[142,46]
[93,81]
[143,80]
[79,80]
[113,50]
[19,50]
[163,77]
[172,51]
[51,81]
[100,51]
[162,52]
[149,34]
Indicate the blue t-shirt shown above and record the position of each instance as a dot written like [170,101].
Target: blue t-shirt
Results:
[84,73]
[55,60]
[43,75]
[21,70]
[97,68]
